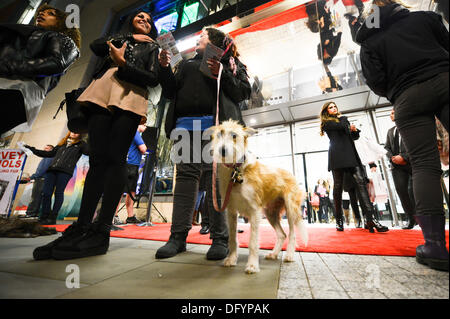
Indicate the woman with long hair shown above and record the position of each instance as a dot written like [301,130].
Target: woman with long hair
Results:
[65,157]
[344,159]
[406,59]
[116,102]
[32,60]
[194,99]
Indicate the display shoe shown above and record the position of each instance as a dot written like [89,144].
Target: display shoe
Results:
[375,224]
[94,242]
[218,249]
[175,245]
[433,253]
[71,233]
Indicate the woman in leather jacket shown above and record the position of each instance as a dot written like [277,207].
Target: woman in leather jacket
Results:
[65,157]
[32,60]
[344,159]
[116,102]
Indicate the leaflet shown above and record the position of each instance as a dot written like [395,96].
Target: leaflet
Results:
[211,52]
[167,42]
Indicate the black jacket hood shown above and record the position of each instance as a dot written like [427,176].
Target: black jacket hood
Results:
[389,14]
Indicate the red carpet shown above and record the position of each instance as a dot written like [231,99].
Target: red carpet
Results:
[395,242]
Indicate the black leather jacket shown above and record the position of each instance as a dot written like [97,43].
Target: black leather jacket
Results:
[234,89]
[34,53]
[142,65]
[65,157]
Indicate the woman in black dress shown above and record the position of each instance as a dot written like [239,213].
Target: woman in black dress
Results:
[343,159]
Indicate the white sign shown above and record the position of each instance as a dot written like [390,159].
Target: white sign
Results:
[11,166]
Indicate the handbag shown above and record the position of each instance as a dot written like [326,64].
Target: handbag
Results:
[77,118]
[315,200]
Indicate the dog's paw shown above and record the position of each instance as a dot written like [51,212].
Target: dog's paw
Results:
[230,261]
[272,256]
[251,269]
[288,258]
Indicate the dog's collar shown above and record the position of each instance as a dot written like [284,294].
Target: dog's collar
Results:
[236,165]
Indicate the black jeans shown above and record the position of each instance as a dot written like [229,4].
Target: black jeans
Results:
[54,182]
[36,196]
[360,187]
[415,111]
[403,186]
[354,203]
[188,174]
[110,136]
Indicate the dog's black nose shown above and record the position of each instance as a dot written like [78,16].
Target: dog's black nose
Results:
[223,151]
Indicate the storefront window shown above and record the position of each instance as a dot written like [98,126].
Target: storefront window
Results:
[272,146]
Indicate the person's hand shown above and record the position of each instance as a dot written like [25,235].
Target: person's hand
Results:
[142,38]
[164,58]
[214,66]
[117,54]
[353,128]
[399,160]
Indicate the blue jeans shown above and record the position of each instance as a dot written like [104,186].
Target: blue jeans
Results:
[54,182]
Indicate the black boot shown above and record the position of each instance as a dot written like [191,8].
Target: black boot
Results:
[411,223]
[340,223]
[433,253]
[72,232]
[94,242]
[175,245]
[218,249]
[372,224]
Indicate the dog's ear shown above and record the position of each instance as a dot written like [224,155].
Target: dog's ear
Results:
[210,131]
[249,131]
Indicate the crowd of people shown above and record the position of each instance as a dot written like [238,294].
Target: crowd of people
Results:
[405,60]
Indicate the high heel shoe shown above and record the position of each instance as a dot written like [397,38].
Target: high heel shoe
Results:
[371,224]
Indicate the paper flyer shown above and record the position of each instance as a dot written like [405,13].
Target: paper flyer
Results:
[211,52]
[167,42]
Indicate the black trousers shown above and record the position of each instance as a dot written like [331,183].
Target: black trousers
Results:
[352,202]
[188,174]
[360,187]
[36,196]
[110,136]
[403,186]
[415,112]
[13,111]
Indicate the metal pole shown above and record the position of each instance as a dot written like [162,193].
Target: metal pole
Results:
[385,170]
[159,117]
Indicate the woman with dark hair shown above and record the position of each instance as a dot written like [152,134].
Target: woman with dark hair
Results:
[32,60]
[344,159]
[65,157]
[406,59]
[195,99]
[116,103]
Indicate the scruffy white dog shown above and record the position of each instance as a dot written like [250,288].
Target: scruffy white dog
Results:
[256,188]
